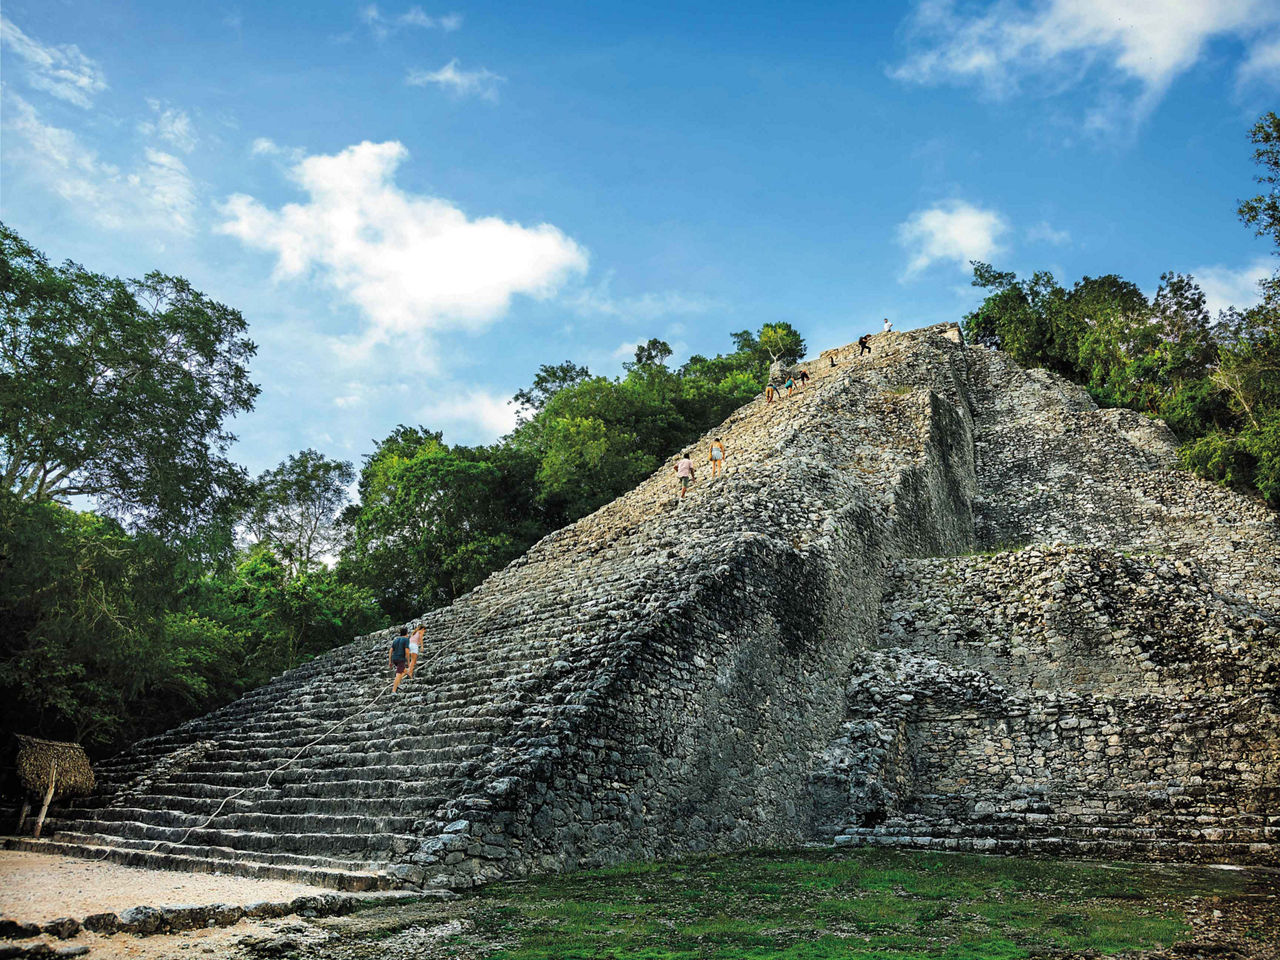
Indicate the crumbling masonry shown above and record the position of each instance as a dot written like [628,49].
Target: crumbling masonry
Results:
[936,600]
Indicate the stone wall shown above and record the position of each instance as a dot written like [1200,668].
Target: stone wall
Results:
[1112,692]
[805,647]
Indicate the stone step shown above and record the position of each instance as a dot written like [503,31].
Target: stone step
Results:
[296,733]
[268,758]
[379,789]
[367,877]
[403,806]
[297,773]
[252,752]
[1098,849]
[262,845]
[1068,830]
[221,852]
[241,820]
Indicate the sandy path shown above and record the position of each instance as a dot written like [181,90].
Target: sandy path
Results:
[37,887]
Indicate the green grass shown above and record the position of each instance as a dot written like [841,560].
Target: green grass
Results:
[814,905]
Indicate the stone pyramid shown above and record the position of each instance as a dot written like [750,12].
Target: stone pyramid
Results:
[936,600]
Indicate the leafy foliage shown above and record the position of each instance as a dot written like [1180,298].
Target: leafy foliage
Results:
[1216,382]
[295,508]
[118,390]
[434,520]
[1262,212]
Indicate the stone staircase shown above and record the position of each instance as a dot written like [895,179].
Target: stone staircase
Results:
[600,698]
[246,790]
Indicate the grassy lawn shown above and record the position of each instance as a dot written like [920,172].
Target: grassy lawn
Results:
[858,904]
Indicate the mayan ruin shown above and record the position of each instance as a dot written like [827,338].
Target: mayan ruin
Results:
[938,602]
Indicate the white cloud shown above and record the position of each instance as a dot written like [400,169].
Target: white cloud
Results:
[411,264]
[383,26]
[171,125]
[625,351]
[1144,43]
[1263,63]
[266,147]
[59,69]
[954,230]
[470,416]
[464,83]
[1227,287]
[157,195]
[598,300]
[1045,232]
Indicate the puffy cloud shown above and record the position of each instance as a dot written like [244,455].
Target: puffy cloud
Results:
[1148,42]
[1233,287]
[954,230]
[470,416]
[157,195]
[464,83]
[59,69]
[411,264]
[1263,63]
[171,125]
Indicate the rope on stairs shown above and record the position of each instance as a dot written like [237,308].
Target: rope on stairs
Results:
[441,650]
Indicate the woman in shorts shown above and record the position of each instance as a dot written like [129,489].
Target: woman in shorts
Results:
[716,456]
[415,646]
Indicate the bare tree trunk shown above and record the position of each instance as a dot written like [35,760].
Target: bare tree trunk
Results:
[48,795]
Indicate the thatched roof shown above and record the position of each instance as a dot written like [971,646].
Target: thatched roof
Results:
[36,757]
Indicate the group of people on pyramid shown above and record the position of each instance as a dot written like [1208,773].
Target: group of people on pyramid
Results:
[686,473]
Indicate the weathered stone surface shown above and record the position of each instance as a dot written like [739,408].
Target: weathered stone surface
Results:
[142,921]
[804,647]
[64,928]
[102,923]
[17,930]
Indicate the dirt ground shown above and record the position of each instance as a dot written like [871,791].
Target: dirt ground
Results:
[38,887]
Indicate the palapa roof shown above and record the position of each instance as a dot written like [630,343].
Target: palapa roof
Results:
[36,758]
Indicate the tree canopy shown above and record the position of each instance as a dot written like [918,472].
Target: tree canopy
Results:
[294,508]
[118,390]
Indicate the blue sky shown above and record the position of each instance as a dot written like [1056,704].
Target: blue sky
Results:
[415,205]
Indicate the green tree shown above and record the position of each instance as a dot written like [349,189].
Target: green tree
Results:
[295,508]
[655,353]
[87,653]
[434,520]
[119,391]
[287,618]
[775,342]
[1262,212]
[547,382]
